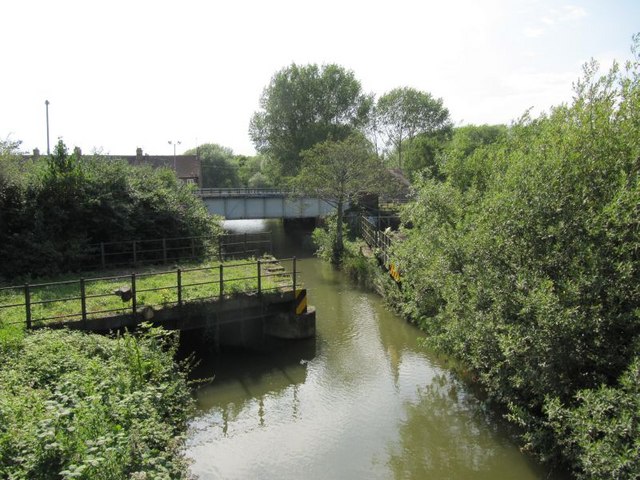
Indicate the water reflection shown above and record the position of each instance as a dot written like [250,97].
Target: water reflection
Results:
[363,401]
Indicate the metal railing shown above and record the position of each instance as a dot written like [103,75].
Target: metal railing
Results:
[376,239]
[84,299]
[243,192]
[163,250]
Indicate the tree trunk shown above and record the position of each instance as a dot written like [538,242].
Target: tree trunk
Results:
[338,248]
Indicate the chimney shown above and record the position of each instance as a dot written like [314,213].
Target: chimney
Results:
[138,155]
[36,153]
[77,152]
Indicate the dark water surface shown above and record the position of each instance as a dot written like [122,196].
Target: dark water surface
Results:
[361,401]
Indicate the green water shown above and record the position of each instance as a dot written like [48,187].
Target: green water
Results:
[361,401]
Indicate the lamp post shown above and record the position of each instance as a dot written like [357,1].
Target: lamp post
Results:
[46,104]
[175,143]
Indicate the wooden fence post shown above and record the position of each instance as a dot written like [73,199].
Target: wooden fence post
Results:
[133,293]
[164,250]
[27,304]
[179,272]
[102,255]
[245,243]
[221,282]
[83,302]
[193,248]
[135,253]
[259,279]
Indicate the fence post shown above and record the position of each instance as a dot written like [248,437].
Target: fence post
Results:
[259,279]
[83,302]
[245,243]
[221,282]
[164,250]
[27,304]
[102,255]
[220,247]
[133,293]
[135,253]
[193,248]
[179,272]
[294,277]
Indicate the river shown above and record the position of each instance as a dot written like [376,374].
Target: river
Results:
[361,401]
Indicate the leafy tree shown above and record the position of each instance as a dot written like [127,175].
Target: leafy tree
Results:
[62,204]
[218,167]
[305,105]
[405,112]
[524,264]
[341,172]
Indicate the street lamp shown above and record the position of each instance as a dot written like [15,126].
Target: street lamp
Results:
[175,143]
[46,104]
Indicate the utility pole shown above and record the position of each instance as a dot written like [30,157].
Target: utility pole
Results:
[46,104]
[175,143]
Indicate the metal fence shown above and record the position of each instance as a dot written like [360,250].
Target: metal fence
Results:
[376,239]
[164,250]
[89,298]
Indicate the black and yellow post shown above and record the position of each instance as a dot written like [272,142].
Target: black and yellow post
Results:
[301,301]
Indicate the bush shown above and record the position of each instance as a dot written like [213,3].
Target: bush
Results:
[74,405]
[51,210]
[525,264]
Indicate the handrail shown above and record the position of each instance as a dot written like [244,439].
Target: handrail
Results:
[217,278]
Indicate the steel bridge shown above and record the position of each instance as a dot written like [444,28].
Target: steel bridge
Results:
[254,203]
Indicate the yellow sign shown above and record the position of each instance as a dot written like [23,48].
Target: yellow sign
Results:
[394,272]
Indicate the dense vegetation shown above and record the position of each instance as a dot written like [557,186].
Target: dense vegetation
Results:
[74,405]
[51,209]
[524,262]
[221,168]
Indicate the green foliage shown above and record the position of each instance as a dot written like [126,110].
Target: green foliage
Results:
[601,434]
[341,172]
[74,405]
[524,264]
[305,105]
[56,207]
[218,167]
[404,113]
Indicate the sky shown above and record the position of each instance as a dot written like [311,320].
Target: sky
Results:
[126,74]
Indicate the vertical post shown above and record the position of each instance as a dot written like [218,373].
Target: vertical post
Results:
[245,243]
[259,279]
[179,272]
[83,302]
[164,250]
[220,247]
[193,248]
[221,282]
[133,293]
[135,253]
[102,255]
[294,277]
[27,304]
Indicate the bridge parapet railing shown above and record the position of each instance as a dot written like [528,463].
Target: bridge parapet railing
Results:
[78,300]
[243,192]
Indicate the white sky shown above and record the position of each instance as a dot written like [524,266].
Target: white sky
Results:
[123,74]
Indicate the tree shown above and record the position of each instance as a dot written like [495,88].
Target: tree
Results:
[341,172]
[306,105]
[218,168]
[405,112]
